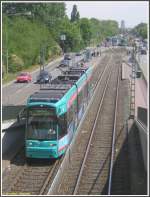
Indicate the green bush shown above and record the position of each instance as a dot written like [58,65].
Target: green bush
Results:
[15,64]
[26,38]
[34,39]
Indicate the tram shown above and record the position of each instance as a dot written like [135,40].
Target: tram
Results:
[54,112]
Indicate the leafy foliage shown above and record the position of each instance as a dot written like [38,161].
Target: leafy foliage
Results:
[141,30]
[75,14]
[34,38]
[25,39]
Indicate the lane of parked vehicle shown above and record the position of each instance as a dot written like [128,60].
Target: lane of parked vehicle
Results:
[16,93]
[10,92]
[13,87]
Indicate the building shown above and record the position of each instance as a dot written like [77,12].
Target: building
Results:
[122,27]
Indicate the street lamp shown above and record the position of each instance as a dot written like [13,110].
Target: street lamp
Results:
[14,14]
[42,55]
[63,38]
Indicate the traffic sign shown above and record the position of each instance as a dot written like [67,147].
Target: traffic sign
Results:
[63,37]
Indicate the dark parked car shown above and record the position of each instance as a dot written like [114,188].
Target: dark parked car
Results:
[67,57]
[143,52]
[78,54]
[64,63]
[44,77]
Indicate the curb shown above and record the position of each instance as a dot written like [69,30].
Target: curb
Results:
[49,64]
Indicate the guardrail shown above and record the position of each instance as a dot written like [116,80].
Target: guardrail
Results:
[140,70]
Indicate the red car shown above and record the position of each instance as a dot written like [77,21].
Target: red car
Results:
[24,77]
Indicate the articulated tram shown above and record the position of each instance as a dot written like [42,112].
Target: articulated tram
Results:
[54,112]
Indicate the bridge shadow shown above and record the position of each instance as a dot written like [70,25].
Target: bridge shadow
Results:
[129,176]
[20,160]
[12,141]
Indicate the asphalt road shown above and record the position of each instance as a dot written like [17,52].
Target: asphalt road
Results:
[17,93]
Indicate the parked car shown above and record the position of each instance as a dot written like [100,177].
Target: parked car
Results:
[78,54]
[67,57]
[64,63]
[24,77]
[143,51]
[44,77]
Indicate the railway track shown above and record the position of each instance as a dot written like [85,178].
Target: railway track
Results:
[120,181]
[90,167]
[36,178]
[94,170]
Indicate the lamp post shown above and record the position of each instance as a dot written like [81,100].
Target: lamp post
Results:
[15,14]
[42,55]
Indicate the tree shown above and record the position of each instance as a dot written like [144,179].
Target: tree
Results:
[86,30]
[74,14]
[141,30]
[78,16]
[24,37]
[72,32]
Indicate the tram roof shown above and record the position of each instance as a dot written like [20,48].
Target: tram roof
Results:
[58,87]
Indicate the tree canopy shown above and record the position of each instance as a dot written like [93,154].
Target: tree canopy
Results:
[28,37]
[75,14]
[141,30]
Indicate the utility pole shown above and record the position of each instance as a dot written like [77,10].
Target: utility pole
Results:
[7,61]
[7,53]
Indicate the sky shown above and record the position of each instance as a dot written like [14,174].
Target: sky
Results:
[132,12]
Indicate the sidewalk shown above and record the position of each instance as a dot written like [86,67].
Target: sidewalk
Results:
[140,87]
[143,62]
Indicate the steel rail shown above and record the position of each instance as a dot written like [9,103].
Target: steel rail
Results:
[91,100]
[45,183]
[21,170]
[91,136]
[101,76]
[48,178]
[113,137]
[51,171]
[98,81]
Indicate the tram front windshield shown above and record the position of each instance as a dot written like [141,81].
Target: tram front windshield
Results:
[41,124]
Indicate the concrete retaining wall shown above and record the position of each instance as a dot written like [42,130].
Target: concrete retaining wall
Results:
[138,174]
[143,140]
[10,112]
[12,138]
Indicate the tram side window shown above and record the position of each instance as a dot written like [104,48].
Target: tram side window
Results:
[72,112]
[62,122]
[85,93]
[80,99]
[75,105]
